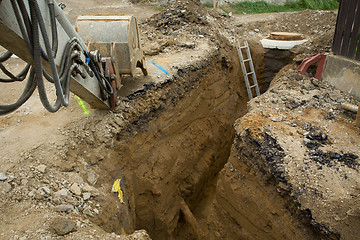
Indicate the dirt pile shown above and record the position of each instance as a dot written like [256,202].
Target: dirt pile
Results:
[292,141]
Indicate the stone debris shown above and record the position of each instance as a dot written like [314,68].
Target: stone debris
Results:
[67,208]
[62,226]
[92,178]
[5,187]
[45,191]
[75,189]
[63,193]
[3,177]
[41,168]
[86,196]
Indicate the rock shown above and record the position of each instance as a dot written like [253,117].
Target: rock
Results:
[188,45]
[31,193]
[63,193]
[91,189]
[333,96]
[67,208]
[92,178]
[75,189]
[87,210]
[96,211]
[41,168]
[44,191]
[5,187]
[86,196]
[276,118]
[3,177]
[62,226]
[24,181]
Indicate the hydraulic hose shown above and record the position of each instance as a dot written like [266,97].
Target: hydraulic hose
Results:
[53,28]
[18,78]
[32,29]
[28,26]
[5,56]
[28,91]
[37,62]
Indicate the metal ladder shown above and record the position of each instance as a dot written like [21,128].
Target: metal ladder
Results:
[252,70]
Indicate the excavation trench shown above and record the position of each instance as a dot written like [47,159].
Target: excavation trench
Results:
[175,156]
[171,149]
[173,146]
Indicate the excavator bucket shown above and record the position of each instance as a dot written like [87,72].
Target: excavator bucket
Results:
[116,37]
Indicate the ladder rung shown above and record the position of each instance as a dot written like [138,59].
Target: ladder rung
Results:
[246,60]
[243,47]
[253,86]
[249,73]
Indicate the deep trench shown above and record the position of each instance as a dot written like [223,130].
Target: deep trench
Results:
[173,154]
[184,172]
[177,154]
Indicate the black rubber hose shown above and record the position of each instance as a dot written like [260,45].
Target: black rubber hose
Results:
[65,61]
[59,91]
[28,26]
[53,29]
[5,56]
[18,78]
[100,78]
[37,61]
[28,91]
[24,33]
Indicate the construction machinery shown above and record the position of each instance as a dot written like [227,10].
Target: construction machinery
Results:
[88,61]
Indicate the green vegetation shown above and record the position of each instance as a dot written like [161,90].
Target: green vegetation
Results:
[159,8]
[225,10]
[290,6]
[209,5]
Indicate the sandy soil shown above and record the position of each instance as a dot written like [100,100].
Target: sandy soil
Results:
[57,169]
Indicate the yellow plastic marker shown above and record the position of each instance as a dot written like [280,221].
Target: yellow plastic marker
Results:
[123,233]
[116,188]
[82,104]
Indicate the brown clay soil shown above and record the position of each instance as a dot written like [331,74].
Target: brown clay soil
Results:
[196,159]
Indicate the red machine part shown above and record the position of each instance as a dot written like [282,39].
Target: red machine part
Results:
[320,57]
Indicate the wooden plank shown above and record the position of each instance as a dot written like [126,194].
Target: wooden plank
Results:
[286,36]
[340,24]
[354,33]
[348,27]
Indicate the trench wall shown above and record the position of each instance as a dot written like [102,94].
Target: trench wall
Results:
[173,146]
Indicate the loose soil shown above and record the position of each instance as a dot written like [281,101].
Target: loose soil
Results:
[189,148]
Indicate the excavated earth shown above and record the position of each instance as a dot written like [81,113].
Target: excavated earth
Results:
[196,159]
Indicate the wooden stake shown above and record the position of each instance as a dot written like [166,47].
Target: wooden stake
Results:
[214,3]
[191,219]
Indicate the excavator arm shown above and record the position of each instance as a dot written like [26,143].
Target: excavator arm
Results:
[39,33]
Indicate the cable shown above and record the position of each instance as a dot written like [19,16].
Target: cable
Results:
[20,77]
[28,91]
[5,56]
[32,28]
[38,65]
[53,28]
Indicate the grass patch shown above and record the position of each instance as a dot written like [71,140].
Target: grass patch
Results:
[209,5]
[225,10]
[157,8]
[290,6]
